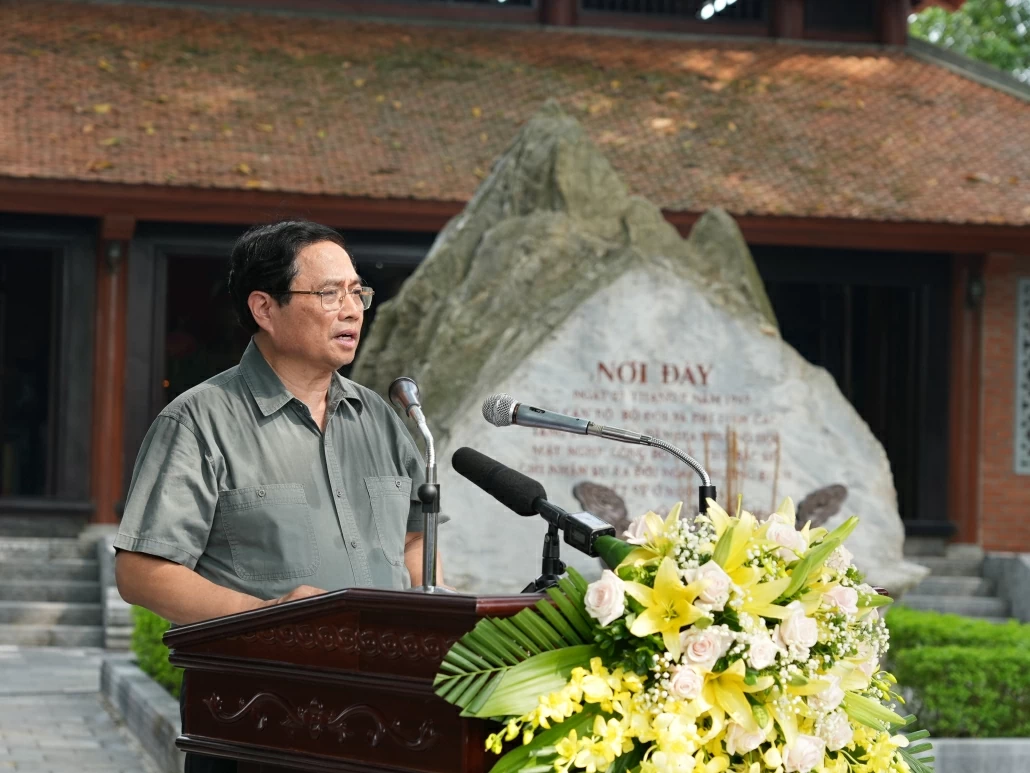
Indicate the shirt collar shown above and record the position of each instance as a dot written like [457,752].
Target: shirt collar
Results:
[271,395]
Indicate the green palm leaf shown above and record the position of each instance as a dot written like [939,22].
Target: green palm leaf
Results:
[502,666]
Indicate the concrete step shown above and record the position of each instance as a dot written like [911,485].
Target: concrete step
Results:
[951,566]
[954,586]
[50,613]
[49,569]
[968,606]
[75,591]
[52,635]
[39,549]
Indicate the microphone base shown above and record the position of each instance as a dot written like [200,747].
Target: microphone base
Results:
[542,583]
[437,590]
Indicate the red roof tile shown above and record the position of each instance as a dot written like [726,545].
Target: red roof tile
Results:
[309,105]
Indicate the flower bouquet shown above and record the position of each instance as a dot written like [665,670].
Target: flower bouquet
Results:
[719,643]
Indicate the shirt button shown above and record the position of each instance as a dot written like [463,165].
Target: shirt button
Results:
[339,492]
[398,483]
[353,543]
[261,492]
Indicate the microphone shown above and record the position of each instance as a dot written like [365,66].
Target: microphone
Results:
[503,410]
[403,393]
[526,496]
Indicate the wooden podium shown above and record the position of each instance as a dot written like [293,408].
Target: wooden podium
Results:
[338,682]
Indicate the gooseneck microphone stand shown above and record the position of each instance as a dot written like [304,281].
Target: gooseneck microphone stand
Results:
[503,410]
[404,394]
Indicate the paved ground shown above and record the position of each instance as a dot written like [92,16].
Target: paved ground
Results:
[53,718]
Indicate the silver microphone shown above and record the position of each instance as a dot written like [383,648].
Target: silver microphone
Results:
[503,410]
[403,393]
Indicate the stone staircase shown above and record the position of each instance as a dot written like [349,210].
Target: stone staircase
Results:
[956,585]
[50,592]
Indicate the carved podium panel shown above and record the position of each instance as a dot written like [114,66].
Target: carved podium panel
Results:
[338,682]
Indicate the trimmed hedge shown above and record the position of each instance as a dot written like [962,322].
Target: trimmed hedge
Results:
[151,653]
[911,628]
[968,692]
[968,678]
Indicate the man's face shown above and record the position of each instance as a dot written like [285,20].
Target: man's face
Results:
[306,331]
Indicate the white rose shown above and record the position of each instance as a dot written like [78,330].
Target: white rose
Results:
[636,534]
[797,630]
[740,741]
[703,648]
[715,584]
[793,541]
[762,652]
[836,731]
[840,559]
[804,754]
[830,698]
[606,598]
[685,682]
[844,598]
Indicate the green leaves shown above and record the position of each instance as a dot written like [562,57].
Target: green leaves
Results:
[869,712]
[612,550]
[816,556]
[993,31]
[502,666]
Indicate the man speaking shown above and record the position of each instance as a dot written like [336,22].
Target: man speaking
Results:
[278,479]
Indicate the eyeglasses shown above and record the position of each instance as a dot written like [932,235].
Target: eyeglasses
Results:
[332,300]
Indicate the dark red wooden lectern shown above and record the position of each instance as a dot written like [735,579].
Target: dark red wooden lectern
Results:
[339,682]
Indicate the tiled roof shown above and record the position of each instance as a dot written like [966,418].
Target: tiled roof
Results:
[150,95]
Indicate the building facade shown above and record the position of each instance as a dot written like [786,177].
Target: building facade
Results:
[884,189]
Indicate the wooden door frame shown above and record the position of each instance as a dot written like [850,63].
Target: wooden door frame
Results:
[73,246]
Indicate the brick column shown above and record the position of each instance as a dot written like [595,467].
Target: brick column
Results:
[1005,494]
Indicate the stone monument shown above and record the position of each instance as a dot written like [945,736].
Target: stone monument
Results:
[557,286]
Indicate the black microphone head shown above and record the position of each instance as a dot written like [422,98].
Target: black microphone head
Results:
[512,489]
[404,394]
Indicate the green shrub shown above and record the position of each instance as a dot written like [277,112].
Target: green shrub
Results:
[911,628]
[963,692]
[151,653]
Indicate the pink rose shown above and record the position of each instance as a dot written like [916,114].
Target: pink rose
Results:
[606,598]
[793,541]
[703,648]
[846,599]
[740,741]
[797,630]
[762,652]
[685,682]
[828,699]
[716,584]
[804,754]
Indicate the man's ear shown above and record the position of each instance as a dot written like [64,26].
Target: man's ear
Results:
[260,304]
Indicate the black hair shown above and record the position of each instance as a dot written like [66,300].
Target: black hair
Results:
[265,258]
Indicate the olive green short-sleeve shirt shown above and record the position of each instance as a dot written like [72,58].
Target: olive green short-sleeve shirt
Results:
[236,481]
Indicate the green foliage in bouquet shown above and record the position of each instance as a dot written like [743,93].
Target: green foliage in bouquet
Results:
[151,653]
[719,643]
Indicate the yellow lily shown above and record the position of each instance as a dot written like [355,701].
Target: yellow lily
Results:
[669,606]
[658,537]
[726,692]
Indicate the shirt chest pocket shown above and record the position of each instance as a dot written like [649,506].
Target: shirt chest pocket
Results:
[390,496]
[269,531]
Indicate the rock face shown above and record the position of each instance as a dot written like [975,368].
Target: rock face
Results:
[558,287]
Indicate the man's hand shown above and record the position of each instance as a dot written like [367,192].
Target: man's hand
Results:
[300,592]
